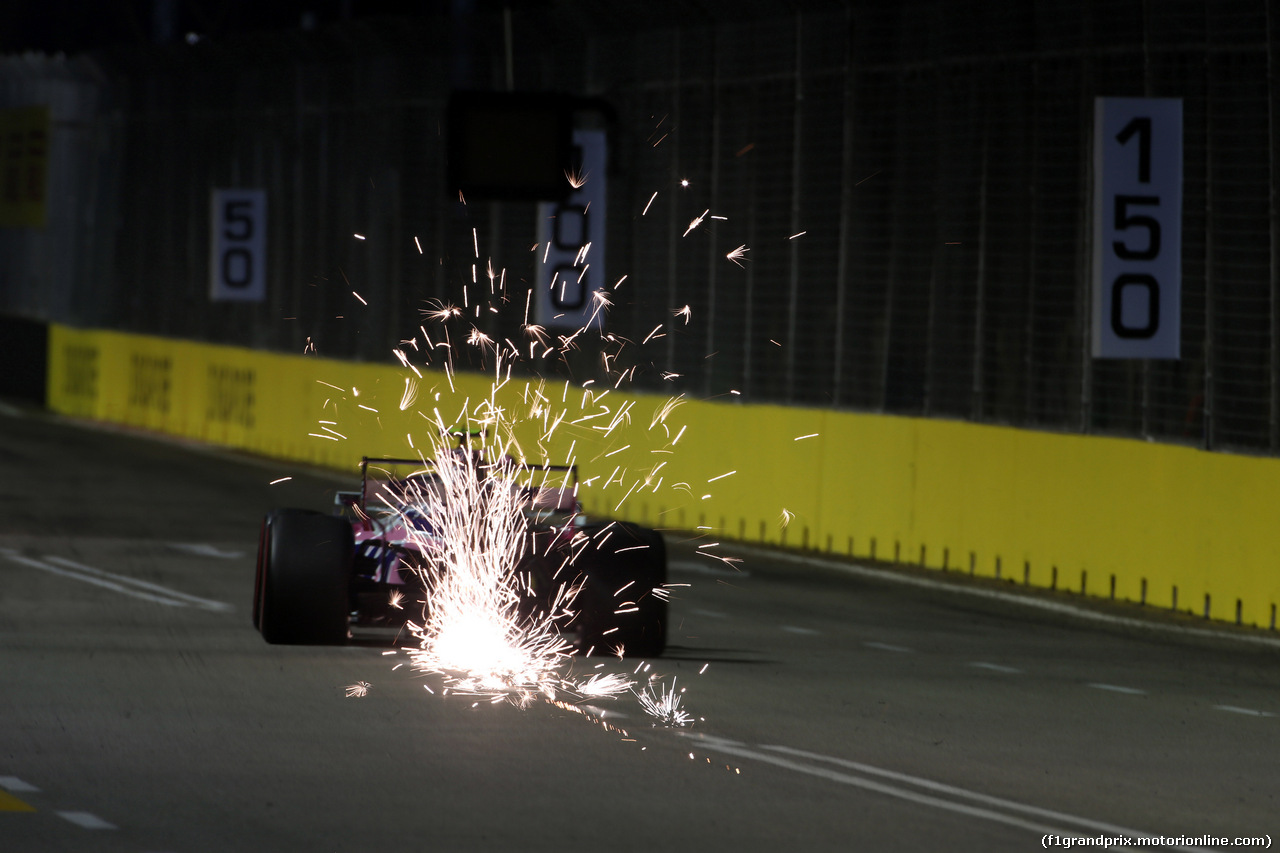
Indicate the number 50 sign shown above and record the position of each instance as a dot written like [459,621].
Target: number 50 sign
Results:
[1137,227]
[238,245]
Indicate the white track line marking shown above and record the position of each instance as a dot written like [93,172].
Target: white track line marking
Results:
[1021,600]
[885,647]
[116,583]
[995,667]
[929,784]
[202,603]
[1246,711]
[16,785]
[204,549]
[114,587]
[767,754]
[796,629]
[1116,688]
[86,820]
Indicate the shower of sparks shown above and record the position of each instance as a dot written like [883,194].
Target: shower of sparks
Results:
[575,180]
[662,702]
[467,511]
[787,517]
[357,690]
[609,684]
[738,255]
[468,518]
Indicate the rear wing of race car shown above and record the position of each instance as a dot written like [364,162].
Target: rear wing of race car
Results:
[548,492]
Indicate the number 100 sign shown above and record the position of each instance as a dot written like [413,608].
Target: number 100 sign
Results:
[1137,227]
[238,245]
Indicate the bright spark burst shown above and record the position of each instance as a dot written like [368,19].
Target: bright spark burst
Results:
[410,394]
[475,634]
[442,312]
[605,684]
[697,220]
[357,690]
[467,511]
[662,702]
[738,255]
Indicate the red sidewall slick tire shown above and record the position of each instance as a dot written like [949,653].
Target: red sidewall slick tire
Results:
[302,593]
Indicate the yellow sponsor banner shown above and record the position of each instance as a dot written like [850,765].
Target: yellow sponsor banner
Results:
[1107,517]
[24,166]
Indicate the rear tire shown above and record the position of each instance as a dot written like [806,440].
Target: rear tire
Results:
[623,566]
[302,591]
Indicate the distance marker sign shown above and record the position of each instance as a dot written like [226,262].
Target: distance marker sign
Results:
[238,245]
[571,242]
[1137,227]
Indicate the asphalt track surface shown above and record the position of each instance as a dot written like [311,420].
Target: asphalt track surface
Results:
[837,709]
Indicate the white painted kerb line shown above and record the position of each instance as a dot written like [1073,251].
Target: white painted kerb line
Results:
[116,583]
[986,811]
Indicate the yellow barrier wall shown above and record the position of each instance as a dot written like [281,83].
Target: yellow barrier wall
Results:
[1069,511]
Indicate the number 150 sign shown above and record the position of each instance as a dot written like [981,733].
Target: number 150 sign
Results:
[1137,227]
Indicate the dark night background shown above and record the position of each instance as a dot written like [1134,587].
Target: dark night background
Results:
[936,153]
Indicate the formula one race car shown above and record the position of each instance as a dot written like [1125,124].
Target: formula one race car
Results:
[322,579]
